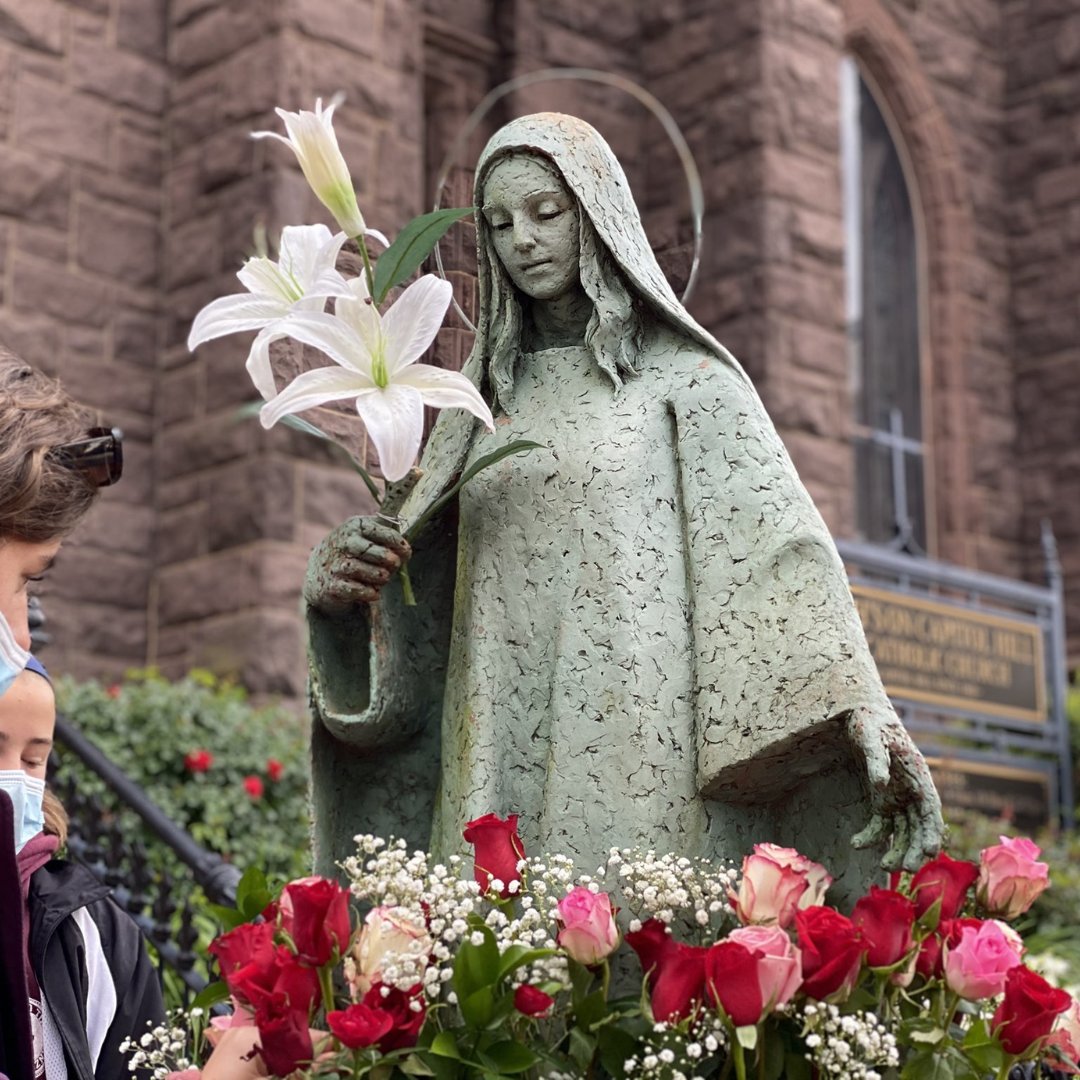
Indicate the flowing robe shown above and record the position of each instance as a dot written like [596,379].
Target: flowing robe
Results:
[638,635]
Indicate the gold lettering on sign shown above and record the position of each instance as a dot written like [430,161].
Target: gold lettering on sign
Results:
[934,652]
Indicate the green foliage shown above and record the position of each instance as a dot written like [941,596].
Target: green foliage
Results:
[241,805]
[411,247]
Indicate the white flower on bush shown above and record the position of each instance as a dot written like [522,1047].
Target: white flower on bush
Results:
[376,356]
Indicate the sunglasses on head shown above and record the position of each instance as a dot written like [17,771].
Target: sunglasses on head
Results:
[98,456]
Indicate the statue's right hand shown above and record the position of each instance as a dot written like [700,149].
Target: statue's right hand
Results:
[352,564]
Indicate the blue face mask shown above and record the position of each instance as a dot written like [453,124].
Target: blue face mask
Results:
[13,656]
[26,794]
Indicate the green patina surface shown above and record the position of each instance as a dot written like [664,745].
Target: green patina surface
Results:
[639,635]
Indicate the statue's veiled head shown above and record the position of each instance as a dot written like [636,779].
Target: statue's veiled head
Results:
[569,172]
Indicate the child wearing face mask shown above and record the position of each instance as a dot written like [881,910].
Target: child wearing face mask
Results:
[86,982]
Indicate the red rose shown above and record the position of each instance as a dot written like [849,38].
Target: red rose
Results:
[198,761]
[113,691]
[949,879]
[359,1025]
[731,974]
[406,1008]
[315,914]
[274,769]
[532,1001]
[498,849]
[885,918]
[283,976]
[1028,1010]
[674,972]
[254,787]
[832,951]
[246,944]
[284,1037]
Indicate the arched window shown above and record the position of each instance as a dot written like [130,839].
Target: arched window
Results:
[883,311]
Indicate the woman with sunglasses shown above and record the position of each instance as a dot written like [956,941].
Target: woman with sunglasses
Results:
[52,463]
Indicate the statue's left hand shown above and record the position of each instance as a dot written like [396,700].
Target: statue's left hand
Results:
[905,803]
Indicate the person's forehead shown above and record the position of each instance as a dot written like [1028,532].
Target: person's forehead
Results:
[522,175]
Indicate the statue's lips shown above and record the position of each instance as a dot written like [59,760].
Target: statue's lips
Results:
[535,265]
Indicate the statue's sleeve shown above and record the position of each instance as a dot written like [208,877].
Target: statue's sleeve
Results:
[779,655]
[377,677]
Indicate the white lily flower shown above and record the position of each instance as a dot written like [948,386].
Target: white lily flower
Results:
[377,357]
[312,138]
[302,279]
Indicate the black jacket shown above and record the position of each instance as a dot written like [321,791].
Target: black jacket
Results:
[59,957]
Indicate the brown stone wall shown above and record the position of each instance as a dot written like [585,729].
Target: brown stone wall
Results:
[1042,214]
[131,192]
[84,87]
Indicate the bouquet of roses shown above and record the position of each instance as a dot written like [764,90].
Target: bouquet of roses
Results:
[518,969]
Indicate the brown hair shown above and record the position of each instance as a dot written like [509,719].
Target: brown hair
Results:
[56,819]
[40,499]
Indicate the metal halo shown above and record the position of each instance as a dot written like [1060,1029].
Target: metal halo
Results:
[620,82]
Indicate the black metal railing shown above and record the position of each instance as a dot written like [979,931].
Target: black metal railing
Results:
[115,837]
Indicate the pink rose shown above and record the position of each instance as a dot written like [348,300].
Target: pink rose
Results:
[779,962]
[1066,1036]
[589,932]
[185,1074]
[1010,879]
[976,967]
[387,937]
[776,881]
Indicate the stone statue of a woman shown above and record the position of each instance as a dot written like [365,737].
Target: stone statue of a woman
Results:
[639,635]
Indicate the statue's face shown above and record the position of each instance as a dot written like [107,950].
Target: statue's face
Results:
[534,222]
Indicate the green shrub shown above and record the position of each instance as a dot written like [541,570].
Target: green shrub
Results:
[235,776]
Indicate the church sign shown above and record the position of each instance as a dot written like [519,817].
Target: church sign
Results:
[938,654]
[1020,795]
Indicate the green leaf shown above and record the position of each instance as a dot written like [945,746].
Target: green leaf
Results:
[615,1047]
[747,1036]
[944,1064]
[414,1065]
[252,893]
[982,1048]
[229,917]
[509,1057]
[582,1048]
[518,956]
[519,447]
[590,1010]
[796,1067]
[412,246]
[210,995]
[478,1008]
[930,918]
[774,1051]
[476,966]
[445,1045]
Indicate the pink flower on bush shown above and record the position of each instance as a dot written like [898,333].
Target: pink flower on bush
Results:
[776,881]
[779,962]
[588,931]
[254,787]
[274,769]
[976,967]
[1010,878]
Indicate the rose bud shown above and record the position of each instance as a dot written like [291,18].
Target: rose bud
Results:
[387,936]
[976,967]
[407,1009]
[945,879]
[832,952]
[731,976]
[775,882]
[779,962]
[532,1001]
[1010,879]
[1028,1012]
[588,931]
[674,972]
[886,919]
[359,1025]
[315,915]
[497,851]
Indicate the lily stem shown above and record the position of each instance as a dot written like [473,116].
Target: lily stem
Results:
[406,587]
[369,277]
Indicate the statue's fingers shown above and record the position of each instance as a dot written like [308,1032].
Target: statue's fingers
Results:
[865,733]
[386,536]
[874,833]
[894,857]
[364,573]
[927,833]
[348,594]
[365,549]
